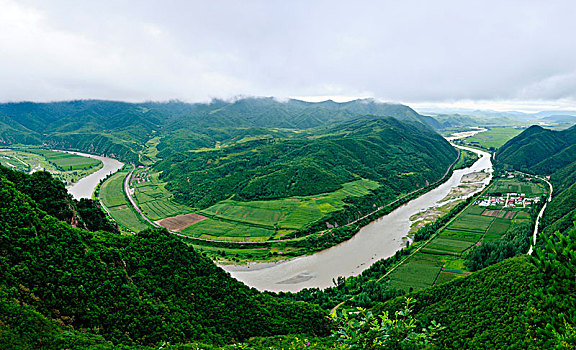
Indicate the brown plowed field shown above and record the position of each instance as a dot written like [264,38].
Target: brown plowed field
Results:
[180,222]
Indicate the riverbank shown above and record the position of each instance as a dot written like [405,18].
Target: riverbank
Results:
[377,240]
[85,187]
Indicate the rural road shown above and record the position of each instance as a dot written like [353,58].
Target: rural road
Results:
[539,216]
[132,201]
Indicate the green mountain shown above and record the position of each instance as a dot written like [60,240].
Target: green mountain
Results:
[121,129]
[401,155]
[482,311]
[135,289]
[552,153]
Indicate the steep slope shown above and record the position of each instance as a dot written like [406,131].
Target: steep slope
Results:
[482,311]
[539,150]
[547,152]
[141,289]
[401,155]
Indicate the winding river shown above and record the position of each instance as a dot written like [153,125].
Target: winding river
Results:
[86,186]
[377,240]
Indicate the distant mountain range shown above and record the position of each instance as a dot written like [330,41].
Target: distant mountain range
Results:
[120,129]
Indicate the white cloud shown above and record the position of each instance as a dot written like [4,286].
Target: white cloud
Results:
[406,51]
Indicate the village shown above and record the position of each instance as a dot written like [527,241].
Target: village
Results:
[510,200]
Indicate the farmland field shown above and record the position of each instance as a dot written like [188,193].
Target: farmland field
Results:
[112,196]
[516,186]
[262,218]
[473,223]
[13,161]
[68,162]
[494,137]
[65,167]
[418,273]
[153,198]
[442,258]
[443,245]
[289,213]
[225,230]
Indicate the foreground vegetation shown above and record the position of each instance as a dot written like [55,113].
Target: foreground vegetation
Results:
[139,289]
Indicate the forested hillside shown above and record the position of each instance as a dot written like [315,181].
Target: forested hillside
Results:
[142,289]
[552,153]
[404,156]
[121,129]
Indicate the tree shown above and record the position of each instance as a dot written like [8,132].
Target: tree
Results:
[364,330]
[553,308]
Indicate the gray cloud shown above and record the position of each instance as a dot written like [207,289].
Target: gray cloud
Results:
[405,51]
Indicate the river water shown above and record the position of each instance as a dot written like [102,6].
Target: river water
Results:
[377,240]
[86,186]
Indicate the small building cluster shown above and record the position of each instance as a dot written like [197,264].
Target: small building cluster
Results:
[511,200]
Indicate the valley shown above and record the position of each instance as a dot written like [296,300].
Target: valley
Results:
[349,213]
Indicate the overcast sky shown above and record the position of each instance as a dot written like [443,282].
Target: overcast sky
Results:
[416,52]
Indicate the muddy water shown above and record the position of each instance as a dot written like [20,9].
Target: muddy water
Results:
[85,187]
[377,240]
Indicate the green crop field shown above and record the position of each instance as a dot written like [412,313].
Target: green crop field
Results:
[225,230]
[418,273]
[67,161]
[152,197]
[498,229]
[13,161]
[516,186]
[33,159]
[112,196]
[475,223]
[443,245]
[494,137]
[472,237]
[284,214]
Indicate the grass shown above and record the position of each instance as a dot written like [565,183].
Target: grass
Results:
[494,138]
[112,196]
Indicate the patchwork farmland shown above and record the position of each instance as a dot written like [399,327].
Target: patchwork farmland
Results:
[442,258]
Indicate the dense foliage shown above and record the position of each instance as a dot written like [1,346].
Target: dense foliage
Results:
[553,306]
[482,311]
[141,289]
[401,155]
[515,242]
[121,129]
[364,330]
